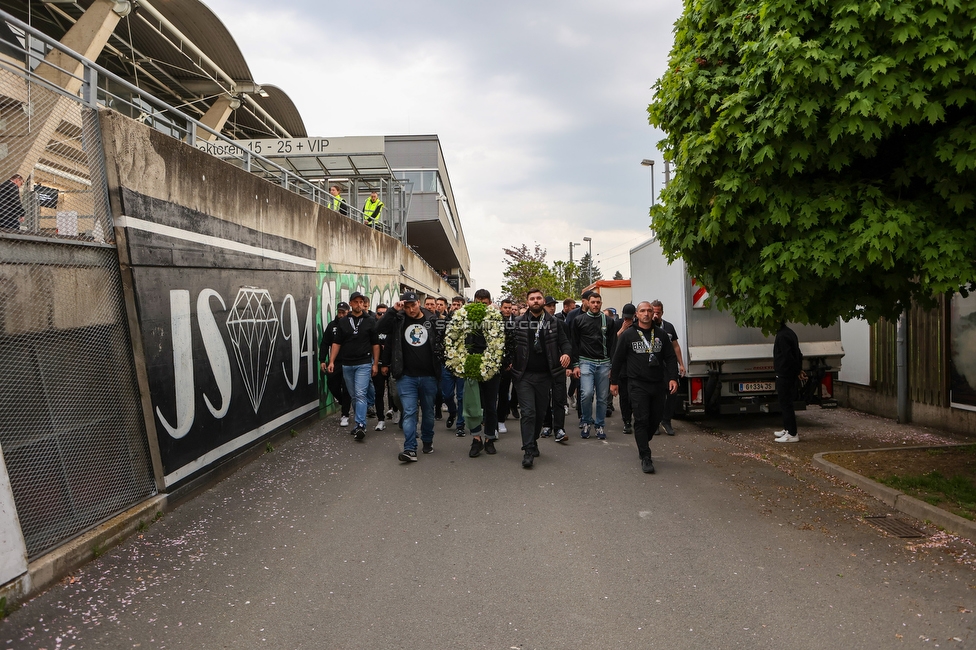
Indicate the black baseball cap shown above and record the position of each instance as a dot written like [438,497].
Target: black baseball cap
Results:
[550,300]
[355,295]
[408,296]
[628,310]
[342,306]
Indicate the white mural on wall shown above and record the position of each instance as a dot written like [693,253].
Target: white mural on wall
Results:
[253,327]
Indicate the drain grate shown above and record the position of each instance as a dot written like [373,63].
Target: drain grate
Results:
[893,526]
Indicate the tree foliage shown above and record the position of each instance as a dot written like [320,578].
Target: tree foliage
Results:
[825,154]
[527,269]
[583,278]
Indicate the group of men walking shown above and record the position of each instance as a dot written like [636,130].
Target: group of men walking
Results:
[636,357]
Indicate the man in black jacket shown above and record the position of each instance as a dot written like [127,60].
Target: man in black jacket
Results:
[357,348]
[415,346]
[788,364]
[645,357]
[542,355]
[11,209]
[593,336]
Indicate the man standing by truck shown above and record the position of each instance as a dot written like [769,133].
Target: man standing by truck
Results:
[788,364]
[645,357]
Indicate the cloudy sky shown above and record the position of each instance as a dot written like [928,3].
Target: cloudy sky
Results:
[540,106]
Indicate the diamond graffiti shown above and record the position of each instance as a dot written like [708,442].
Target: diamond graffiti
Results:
[253,327]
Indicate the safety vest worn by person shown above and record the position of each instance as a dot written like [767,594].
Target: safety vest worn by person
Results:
[372,210]
[337,202]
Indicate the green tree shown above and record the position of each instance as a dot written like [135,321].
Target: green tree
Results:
[525,269]
[583,277]
[618,276]
[825,154]
[564,277]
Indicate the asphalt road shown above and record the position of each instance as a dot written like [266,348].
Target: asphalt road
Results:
[327,543]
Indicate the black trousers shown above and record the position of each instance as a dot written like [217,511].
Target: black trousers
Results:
[380,382]
[647,401]
[504,395]
[533,390]
[556,414]
[786,393]
[489,405]
[626,412]
[337,387]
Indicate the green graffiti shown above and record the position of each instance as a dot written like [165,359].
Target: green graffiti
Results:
[334,287]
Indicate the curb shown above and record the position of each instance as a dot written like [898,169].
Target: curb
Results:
[899,500]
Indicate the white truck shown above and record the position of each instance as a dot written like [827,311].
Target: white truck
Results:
[728,369]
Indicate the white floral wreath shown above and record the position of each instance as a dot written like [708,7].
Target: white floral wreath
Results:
[470,319]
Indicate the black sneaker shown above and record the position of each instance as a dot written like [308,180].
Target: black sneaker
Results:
[666,424]
[476,447]
[360,433]
[371,412]
[408,456]
[490,446]
[459,432]
[535,452]
[450,420]
[515,413]
[647,466]
[439,415]
[428,447]
[527,459]
[628,428]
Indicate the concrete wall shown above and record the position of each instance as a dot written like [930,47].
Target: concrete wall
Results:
[865,398]
[209,251]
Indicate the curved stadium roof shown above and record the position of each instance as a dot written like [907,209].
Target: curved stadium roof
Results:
[148,53]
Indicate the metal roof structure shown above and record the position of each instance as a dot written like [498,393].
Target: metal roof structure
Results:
[180,52]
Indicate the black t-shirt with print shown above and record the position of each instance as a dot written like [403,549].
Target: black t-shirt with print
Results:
[418,356]
[356,336]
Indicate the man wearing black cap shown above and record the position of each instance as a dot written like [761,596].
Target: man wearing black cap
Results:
[628,312]
[356,347]
[416,354]
[333,378]
[644,356]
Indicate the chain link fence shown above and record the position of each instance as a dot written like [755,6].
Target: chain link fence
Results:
[71,426]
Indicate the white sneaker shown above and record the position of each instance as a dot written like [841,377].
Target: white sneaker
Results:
[379,426]
[788,438]
[502,428]
[389,414]
[344,422]
[780,434]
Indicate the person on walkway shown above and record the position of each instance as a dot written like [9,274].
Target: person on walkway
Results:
[416,354]
[505,376]
[338,203]
[485,434]
[555,420]
[572,394]
[672,402]
[372,210]
[381,380]
[542,353]
[333,379]
[593,336]
[452,388]
[788,364]
[628,313]
[643,355]
[11,208]
[356,347]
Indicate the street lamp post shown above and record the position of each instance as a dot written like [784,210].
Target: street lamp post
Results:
[650,163]
[572,247]
[590,267]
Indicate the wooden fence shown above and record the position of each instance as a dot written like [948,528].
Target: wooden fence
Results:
[928,355]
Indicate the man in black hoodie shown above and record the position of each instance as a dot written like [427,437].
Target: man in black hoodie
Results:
[542,355]
[788,364]
[416,352]
[334,380]
[645,357]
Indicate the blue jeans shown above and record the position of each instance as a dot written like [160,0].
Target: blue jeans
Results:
[594,378]
[414,390]
[358,380]
[451,385]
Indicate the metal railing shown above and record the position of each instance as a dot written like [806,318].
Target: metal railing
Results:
[88,84]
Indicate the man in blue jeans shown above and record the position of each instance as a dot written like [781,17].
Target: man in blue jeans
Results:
[416,353]
[593,336]
[356,347]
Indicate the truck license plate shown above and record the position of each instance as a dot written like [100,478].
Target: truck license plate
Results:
[757,387]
